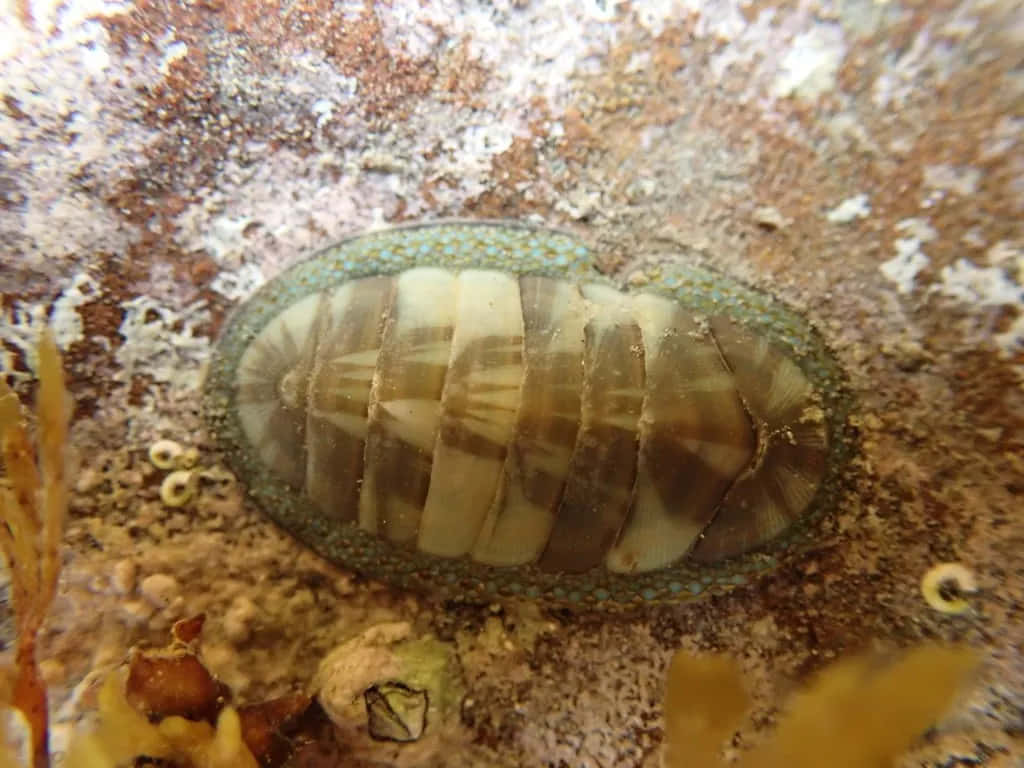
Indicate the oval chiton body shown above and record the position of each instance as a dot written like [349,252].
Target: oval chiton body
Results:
[469,408]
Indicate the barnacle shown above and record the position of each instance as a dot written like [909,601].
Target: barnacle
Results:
[861,712]
[944,586]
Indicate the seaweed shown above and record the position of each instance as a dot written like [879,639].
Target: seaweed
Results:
[169,708]
[33,505]
[861,712]
[124,734]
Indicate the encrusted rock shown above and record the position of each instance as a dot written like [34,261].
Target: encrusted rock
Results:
[159,589]
[414,686]
[123,576]
[239,619]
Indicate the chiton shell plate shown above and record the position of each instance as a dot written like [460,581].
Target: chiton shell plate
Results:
[469,408]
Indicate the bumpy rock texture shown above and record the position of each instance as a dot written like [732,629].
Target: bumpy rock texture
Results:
[863,160]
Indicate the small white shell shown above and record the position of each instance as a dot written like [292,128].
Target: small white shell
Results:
[178,488]
[944,585]
[163,454]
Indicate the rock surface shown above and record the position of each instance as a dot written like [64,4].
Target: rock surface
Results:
[863,160]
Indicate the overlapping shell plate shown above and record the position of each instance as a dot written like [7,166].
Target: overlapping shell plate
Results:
[467,407]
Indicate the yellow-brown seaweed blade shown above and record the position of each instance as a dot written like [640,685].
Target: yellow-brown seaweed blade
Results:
[339,394]
[478,411]
[405,403]
[792,446]
[704,704]
[598,491]
[868,709]
[695,438]
[272,381]
[519,522]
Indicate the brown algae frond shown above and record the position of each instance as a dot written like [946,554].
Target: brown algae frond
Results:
[33,505]
[169,708]
[861,712]
[704,703]
[124,734]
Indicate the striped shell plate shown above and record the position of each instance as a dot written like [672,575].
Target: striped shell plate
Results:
[470,408]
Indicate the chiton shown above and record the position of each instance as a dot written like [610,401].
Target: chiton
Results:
[470,408]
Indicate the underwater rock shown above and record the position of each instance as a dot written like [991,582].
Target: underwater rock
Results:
[467,408]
